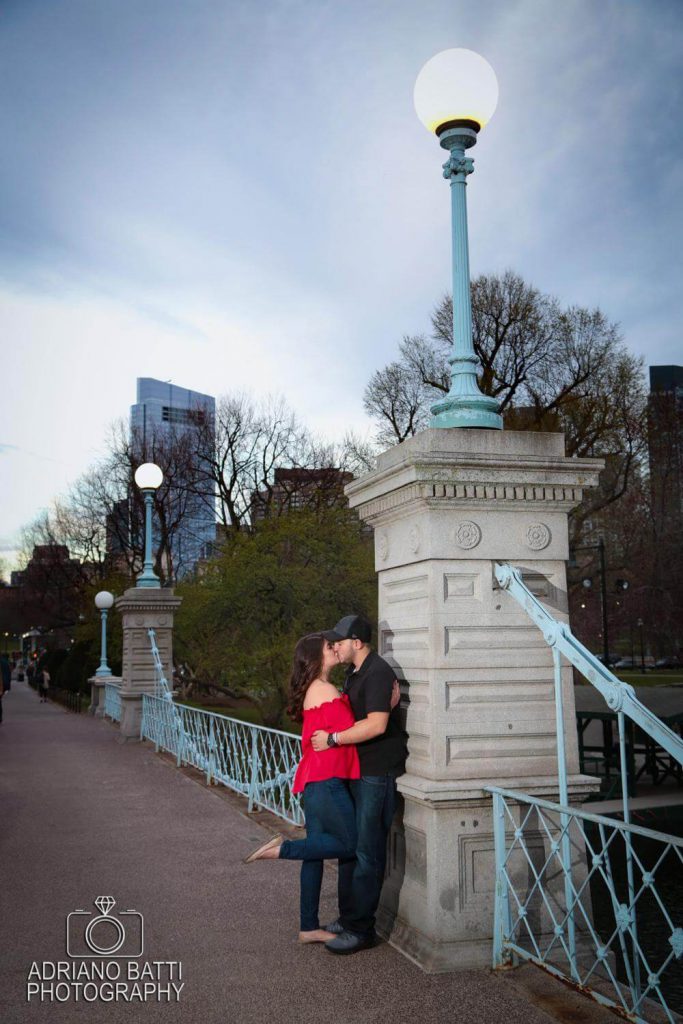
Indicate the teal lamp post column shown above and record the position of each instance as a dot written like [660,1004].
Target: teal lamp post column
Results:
[456,93]
[148,477]
[104,601]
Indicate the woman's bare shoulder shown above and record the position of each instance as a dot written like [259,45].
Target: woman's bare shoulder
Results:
[319,693]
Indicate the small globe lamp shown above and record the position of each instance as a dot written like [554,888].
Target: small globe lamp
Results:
[456,93]
[104,601]
[148,477]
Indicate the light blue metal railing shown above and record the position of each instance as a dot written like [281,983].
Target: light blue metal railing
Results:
[581,921]
[253,760]
[112,702]
[555,863]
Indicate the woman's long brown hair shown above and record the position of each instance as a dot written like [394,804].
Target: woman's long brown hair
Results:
[307,666]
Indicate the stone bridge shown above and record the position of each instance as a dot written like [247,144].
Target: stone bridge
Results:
[84,816]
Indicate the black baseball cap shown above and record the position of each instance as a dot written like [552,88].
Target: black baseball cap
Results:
[351,627]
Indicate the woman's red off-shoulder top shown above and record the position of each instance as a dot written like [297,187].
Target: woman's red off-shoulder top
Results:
[335,762]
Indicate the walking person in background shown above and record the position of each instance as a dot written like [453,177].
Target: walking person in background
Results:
[321,777]
[43,684]
[5,679]
[6,672]
[5,676]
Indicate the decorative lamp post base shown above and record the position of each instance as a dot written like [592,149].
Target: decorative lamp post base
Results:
[146,580]
[471,412]
[465,405]
[102,672]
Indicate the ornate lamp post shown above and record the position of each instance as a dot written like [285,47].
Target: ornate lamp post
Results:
[104,600]
[456,93]
[148,477]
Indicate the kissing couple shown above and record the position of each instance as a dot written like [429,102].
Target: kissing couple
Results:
[353,750]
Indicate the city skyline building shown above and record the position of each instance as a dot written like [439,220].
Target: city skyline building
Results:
[665,445]
[165,422]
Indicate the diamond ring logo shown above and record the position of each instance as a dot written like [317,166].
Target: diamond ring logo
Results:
[104,934]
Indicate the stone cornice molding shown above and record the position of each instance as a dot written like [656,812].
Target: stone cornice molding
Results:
[476,473]
[138,599]
[444,793]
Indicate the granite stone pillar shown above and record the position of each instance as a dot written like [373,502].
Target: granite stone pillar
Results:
[477,676]
[97,695]
[142,609]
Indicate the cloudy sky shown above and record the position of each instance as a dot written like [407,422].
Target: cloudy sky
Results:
[238,195]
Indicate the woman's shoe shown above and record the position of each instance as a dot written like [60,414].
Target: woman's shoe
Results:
[268,845]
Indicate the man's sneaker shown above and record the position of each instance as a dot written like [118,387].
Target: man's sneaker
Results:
[347,942]
[336,927]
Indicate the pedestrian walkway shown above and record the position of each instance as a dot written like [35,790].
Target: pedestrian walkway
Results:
[83,815]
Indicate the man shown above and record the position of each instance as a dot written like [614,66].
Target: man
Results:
[382,752]
[5,679]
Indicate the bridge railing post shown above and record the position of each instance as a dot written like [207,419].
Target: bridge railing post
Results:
[254,769]
[501,912]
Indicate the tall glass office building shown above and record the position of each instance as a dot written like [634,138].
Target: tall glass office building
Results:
[163,413]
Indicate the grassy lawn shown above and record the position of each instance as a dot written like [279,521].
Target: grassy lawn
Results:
[661,678]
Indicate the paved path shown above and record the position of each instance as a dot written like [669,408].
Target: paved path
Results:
[82,815]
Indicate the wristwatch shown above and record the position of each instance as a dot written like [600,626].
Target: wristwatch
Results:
[331,742]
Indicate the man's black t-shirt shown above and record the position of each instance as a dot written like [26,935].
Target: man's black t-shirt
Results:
[369,689]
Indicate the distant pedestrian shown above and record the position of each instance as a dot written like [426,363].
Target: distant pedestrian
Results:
[44,684]
[6,672]
[2,692]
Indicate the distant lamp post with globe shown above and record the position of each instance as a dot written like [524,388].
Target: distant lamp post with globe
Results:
[104,601]
[456,93]
[148,477]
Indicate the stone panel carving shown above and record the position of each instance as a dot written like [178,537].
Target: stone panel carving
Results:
[538,536]
[467,534]
[410,588]
[416,855]
[399,640]
[460,584]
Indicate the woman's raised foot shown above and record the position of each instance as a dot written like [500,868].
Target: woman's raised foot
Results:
[319,935]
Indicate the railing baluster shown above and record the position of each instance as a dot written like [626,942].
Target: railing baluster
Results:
[254,770]
[564,818]
[623,756]
[502,921]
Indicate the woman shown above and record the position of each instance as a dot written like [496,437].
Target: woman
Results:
[44,680]
[328,807]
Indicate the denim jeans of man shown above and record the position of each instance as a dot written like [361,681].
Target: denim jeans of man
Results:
[360,882]
[330,833]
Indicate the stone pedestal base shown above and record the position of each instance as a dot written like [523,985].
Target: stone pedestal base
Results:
[438,896]
[97,685]
[141,610]
[131,716]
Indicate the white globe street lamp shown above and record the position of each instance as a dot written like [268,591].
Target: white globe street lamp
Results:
[456,93]
[148,477]
[104,601]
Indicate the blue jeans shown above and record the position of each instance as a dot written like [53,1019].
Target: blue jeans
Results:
[330,833]
[360,881]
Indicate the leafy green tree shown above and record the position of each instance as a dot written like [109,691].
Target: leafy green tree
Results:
[295,574]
